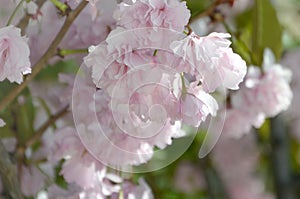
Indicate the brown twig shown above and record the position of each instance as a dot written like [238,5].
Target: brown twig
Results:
[52,50]
[37,135]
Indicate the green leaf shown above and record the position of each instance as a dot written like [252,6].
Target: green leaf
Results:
[59,179]
[244,19]
[50,73]
[5,87]
[267,32]
[196,6]
[242,36]
[18,118]
[265,130]
[6,132]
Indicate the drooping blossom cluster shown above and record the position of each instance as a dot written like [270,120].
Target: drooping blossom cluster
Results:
[147,82]
[265,93]
[90,177]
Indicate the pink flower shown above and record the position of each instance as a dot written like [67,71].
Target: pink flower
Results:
[212,61]
[128,68]
[116,56]
[274,94]
[128,139]
[238,122]
[264,94]
[68,146]
[80,166]
[267,92]
[12,44]
[196,105]
[170,14]
[101,131]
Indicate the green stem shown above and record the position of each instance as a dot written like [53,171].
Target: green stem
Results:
[184,90]
[14,12]
[65,52]
[61,6]
[155,52]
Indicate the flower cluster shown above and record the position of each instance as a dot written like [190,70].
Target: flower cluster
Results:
[265,93]
[148,84]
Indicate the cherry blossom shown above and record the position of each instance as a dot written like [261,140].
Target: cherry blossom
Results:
[264,94]
[124,146]
[12,44]
[212,61]
[93,176]
[170,14]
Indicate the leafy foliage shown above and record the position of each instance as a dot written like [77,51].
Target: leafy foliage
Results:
[266,31]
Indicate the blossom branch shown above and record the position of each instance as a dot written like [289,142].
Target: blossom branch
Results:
[64,52]
[8,174]
[37,135]
[52,50]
